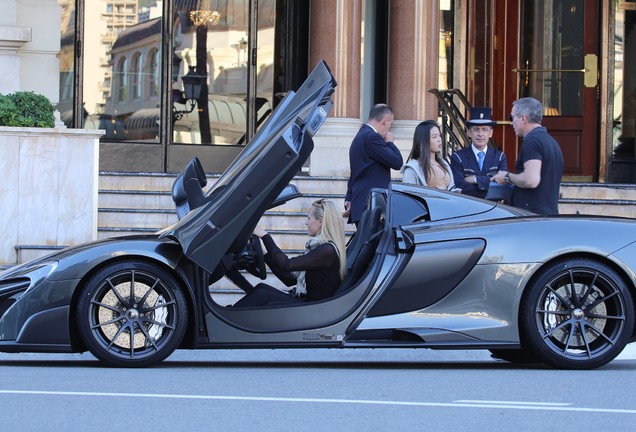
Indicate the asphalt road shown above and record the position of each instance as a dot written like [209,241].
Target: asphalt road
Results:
[313,390]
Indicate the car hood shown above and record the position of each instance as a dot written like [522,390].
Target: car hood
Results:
[232,207]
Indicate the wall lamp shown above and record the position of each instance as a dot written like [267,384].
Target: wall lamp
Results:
[192,83]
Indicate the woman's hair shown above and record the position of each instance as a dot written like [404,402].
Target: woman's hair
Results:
[332,228]
[421,150]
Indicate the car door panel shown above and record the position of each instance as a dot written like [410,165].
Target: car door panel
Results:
[433,271]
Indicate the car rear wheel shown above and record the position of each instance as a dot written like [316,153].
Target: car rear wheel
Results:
[132,314]
[578,314]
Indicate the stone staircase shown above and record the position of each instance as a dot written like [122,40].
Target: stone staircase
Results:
[598,199]
[141,203]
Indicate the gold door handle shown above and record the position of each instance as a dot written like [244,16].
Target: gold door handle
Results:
[549,70]
[590,70]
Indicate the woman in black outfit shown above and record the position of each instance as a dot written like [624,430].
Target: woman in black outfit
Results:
[316,274]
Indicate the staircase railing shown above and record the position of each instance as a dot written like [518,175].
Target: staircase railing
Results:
[453,120]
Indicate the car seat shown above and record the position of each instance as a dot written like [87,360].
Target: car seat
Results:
[369,225]
[360,254]
[187,189]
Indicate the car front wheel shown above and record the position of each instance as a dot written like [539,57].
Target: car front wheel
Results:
[132,314]
[578,314]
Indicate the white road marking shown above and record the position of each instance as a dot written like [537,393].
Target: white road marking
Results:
[513,403]
[516,405]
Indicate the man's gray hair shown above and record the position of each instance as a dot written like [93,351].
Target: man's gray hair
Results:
[531,108]
[379,111]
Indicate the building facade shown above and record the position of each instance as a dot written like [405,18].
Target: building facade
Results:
[172,79]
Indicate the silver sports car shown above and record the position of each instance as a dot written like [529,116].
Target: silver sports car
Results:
[426,269]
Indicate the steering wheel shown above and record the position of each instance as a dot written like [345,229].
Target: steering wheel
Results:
[252,259]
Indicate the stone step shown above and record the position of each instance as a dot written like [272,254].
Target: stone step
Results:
[154,220]
[598,191]
[598,199]
[163,182]
[287,240]
[125,199]
[136,218]
[140,182]
[108,232]
[153,200]
[621,208]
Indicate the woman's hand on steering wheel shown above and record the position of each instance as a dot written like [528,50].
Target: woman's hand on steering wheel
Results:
[259,232]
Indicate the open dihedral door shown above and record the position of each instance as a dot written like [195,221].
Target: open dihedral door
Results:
[233,206]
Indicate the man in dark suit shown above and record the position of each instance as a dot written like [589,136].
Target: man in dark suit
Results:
[371,156]
[473,166]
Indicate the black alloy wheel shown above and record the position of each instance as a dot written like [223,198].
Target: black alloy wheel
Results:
[578,314]
[132,314]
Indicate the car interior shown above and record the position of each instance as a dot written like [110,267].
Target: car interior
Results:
[363,247]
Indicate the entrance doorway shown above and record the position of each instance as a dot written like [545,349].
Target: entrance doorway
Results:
[549,50]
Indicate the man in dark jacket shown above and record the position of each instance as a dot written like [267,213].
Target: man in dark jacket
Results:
[472,166]
[371,156]
[539,166]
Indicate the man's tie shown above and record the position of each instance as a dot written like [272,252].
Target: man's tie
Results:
[480,159]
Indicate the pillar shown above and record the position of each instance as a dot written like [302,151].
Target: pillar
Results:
[413,58]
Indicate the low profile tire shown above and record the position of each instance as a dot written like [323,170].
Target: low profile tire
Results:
[578,314]
[132,314]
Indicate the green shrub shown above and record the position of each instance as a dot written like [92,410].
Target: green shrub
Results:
[26,109]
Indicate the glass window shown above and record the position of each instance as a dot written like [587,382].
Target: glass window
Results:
[264,59]
[121,78]
[154,73]
[623,167]
[122,70]
[445,78]
[480,63]
[213,51]
[552,55]
[137,75]
[212,59]
[66,59]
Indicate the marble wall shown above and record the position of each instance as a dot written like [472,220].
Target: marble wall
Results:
[29,45]
[49,188]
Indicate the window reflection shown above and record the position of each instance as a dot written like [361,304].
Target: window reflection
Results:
[122,72]
[215,45]
[121,78]
[155,73]
[66,59]
[265,60]
[123,88]
[623,161]
[552,55]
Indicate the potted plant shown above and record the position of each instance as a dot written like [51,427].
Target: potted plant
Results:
[26,109]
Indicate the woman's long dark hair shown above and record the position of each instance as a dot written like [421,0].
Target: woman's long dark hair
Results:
[421,150]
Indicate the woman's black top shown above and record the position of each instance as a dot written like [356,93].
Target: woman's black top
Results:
[321,266]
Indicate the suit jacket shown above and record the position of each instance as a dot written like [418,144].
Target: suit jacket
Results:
[464,164]
[370,159]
